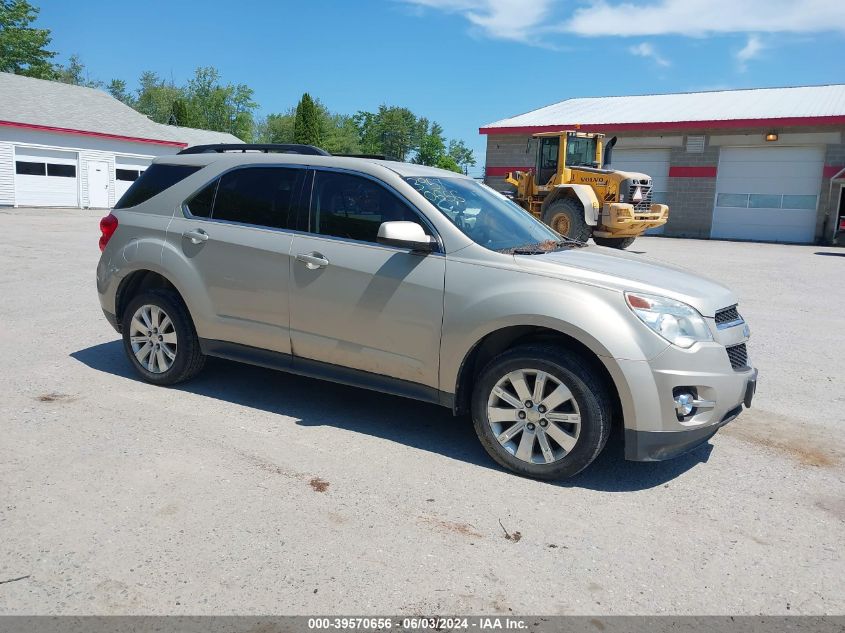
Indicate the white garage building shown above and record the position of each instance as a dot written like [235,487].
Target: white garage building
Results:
[69,146]
[763,164]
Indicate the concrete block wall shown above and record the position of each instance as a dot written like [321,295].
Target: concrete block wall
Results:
[691,197]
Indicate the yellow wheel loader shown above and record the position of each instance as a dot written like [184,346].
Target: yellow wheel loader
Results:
[573,189]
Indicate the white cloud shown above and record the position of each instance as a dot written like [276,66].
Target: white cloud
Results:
[697,18]
[647,50]
[752,49]
[517,20]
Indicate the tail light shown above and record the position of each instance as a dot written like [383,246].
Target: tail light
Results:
[108,225]
[842,224]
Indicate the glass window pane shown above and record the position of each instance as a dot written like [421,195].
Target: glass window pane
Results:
[799,202]
[62,171]
[257,195]
[764,201]
[130,175]
[200,204]
[739,200]
[29,169]
[152,182]
[353,207]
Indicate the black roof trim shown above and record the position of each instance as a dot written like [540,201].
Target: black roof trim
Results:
[267,148]
[371,156]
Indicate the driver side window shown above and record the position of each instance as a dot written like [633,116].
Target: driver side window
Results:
[353,207]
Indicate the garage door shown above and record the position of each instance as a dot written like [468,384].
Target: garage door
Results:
[46,178]
[653,162]
[768,193]
[126,171]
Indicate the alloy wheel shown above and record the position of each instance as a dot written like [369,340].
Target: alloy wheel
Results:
[153,339]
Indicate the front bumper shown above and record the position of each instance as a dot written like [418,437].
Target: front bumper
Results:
[655,431]
[621,220]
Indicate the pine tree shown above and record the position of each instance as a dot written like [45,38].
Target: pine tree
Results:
[306,126]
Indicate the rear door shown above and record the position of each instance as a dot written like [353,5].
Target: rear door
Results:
[236,234]
[367,306]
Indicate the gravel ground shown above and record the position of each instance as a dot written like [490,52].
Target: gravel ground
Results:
[252,492]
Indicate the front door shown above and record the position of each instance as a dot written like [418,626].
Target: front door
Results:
[358,304]
[547,158]
[98,184]
[234,233]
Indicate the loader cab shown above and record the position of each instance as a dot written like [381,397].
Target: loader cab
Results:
[548,153]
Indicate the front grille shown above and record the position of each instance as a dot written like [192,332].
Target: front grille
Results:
[738,356]
[643,205]
[727,315]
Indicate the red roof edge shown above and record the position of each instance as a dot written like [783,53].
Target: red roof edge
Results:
[797,121]
[117,137]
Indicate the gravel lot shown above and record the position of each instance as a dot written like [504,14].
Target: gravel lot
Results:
[253,492]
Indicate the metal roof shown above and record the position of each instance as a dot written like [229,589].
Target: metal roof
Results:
[59,107]
[805,105]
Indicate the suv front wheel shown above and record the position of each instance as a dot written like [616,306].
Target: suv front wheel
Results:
[159,338]
[541,411]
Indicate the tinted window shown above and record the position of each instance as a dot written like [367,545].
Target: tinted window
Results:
[63,171]
[257,195]
[29,169]
[152,182]
[200,204]
[354,207]
[127,174]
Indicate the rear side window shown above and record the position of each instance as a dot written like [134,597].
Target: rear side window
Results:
[154,180]
[200,204]
[262,196]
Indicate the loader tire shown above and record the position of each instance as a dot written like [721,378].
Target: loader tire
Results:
[614,242]
[566,216]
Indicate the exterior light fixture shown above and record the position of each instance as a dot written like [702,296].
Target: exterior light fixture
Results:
[771,136]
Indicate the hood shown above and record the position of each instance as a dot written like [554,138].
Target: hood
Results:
[622,271]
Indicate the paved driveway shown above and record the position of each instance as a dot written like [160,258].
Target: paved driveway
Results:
[249,491]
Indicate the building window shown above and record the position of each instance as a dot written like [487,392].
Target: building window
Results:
[62,171]
[129,175]
[766,201]
[30,169]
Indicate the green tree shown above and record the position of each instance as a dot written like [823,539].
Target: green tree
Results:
[23,49]
[306,127]
[156,97]
[461,154]
[432,146]
[117,89]
[447,162]
[279,127]
[76,73]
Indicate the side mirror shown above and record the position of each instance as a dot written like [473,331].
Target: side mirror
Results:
[405,235]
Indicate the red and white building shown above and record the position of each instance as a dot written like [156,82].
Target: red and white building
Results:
[69,146]
[764,164]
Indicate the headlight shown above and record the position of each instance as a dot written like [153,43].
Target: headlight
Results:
[677,322]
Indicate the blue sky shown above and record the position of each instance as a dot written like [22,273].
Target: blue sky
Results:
[463,63]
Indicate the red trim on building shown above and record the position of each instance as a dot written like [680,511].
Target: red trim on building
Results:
[503,171]
[116,137]
[671,125]
[831,170]
[679,171]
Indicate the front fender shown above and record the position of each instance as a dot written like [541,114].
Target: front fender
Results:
[584,194]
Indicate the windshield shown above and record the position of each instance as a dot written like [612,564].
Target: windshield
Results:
[483,215]
[580,151]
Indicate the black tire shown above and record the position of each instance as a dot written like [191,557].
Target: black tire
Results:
[574,212]
[189,359]
[614,242]
[588,392]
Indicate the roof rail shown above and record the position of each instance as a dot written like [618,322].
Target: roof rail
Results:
[287,148]
[372,156]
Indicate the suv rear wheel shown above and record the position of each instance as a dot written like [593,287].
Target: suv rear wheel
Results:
[540,411]
[159,338]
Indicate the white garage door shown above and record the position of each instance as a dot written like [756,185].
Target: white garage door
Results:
[126,171]
[768,193]
[654,163]
[46,178]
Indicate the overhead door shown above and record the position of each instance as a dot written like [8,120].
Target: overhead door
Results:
[46,178]
[768,193]
[126,171]
[652,162]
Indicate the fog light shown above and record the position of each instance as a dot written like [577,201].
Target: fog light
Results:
[684,404]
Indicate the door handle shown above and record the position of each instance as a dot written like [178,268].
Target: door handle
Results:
[312,261]
[197,236]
